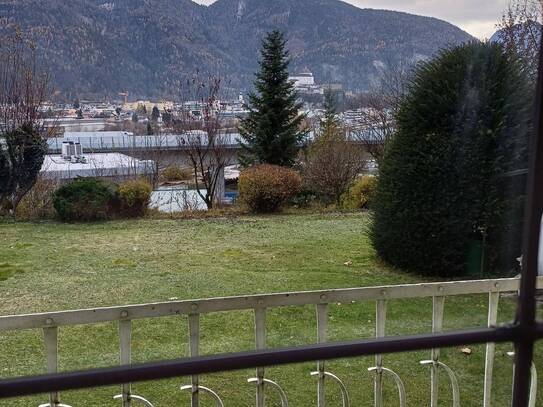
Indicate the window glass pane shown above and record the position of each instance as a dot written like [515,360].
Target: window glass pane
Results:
[373,172]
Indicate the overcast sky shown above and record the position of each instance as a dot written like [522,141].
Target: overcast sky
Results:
[478,17]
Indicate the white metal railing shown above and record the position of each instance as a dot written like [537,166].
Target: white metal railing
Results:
[50,323]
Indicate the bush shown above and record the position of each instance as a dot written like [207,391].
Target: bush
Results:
[85,199]
[332,164]
[361,193]
[38,202]
[443,187]
[134,197]
[266,188]
[174,173]
[305,198]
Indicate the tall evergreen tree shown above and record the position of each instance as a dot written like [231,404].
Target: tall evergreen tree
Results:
[446,187]
[271,132]
[330,122]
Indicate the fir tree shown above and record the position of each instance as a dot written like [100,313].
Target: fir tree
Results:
[271,132]
[330,123]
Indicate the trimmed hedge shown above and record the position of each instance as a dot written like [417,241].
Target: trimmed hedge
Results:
[443,185]
[84,200]
[266,188]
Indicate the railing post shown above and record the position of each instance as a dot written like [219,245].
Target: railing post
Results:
[125,343]
[194,345]
[380,320]
[260,339]
[322,337]
[493,299]
[51,348]
[437,327]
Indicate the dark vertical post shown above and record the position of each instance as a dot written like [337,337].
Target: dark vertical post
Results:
[524,344]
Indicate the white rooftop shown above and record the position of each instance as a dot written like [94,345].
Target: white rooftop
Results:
[71,135]
[97,165]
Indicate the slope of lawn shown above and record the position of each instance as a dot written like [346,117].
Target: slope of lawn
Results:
[52,266]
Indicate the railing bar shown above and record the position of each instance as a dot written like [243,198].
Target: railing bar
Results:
[438,303]
[260,342]
[322,337]
[493,300]
[194,351]
[533,386]
[154,310]
[50,336]
[22,386]
[380,320]
[125,344]
[526,310]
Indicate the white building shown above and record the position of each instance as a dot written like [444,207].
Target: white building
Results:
[303,79]
[97,165]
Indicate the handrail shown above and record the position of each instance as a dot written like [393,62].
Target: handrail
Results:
[50,322]
[219,304]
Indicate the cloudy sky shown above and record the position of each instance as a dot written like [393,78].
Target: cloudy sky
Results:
[478,17]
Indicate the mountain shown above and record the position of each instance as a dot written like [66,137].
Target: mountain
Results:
[98,48]
[529,28]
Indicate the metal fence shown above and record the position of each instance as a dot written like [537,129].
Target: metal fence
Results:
[51,322]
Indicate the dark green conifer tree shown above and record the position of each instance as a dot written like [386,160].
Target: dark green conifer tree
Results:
[450,182]
[272,132]
[330,121]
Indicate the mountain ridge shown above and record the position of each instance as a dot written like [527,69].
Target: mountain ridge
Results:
[102,47]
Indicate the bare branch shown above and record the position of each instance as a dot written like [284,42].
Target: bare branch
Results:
[204,138]
[520,31]
[378,110]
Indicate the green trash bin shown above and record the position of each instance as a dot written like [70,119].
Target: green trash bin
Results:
[475,258]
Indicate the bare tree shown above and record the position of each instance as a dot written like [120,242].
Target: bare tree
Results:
[207,148]
[155,149]
[23,89]
[376,125]
[333,162]
[520,31]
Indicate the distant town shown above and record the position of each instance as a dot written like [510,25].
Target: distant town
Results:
[145,117]
[122,138]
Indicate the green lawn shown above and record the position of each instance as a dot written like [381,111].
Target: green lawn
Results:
[50,266]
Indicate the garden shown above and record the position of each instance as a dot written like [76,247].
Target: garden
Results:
[48,266]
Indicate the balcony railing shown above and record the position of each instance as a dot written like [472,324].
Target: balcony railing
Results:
[51,322]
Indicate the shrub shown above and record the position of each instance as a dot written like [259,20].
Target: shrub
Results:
[22,153]
[332,164]
[305,198]
[38,202]
[443,181]
[174,173]
[134,197]
[360,194]
[84,199]
[266,188]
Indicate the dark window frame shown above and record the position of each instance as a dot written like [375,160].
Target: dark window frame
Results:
[523,332]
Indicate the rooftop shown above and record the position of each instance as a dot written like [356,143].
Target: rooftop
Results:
[96,165]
